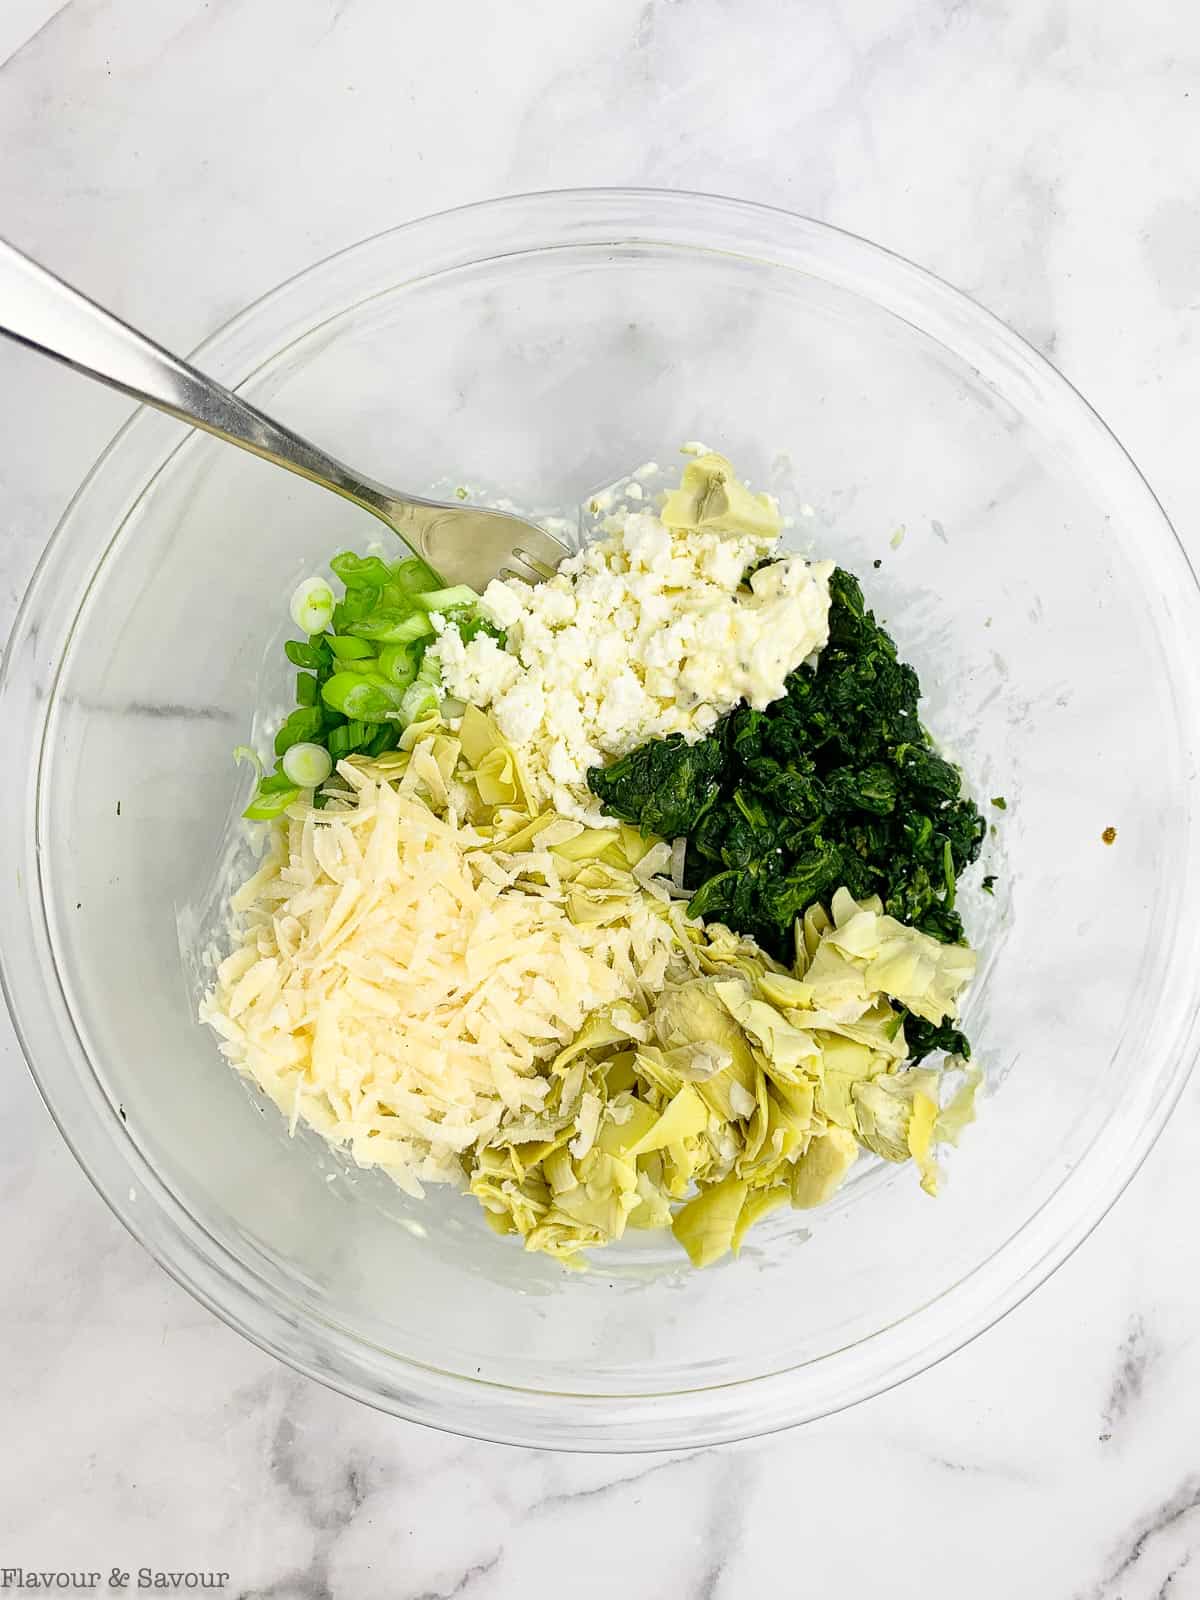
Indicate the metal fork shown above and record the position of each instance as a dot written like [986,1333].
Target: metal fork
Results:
[463,543]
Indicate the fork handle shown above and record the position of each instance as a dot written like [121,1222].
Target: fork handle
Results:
[45,314]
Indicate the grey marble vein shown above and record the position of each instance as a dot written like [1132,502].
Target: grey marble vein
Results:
[729,1492]
[1168,1585]
[1004,1470]
[465,1582]
[326,1494]
[620,1485]
[1135,1357]
[1142,1538]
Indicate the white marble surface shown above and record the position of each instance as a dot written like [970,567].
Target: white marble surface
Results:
[181,156]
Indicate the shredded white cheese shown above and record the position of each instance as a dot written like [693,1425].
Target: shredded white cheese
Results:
[399,985]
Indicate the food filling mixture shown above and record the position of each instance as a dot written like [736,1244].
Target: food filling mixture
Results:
[623,901]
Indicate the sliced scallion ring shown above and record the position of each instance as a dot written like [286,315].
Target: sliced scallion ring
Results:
[312,605]
[307,765]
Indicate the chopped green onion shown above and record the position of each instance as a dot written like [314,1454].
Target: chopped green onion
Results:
[308,765]
[365,672]
[350,649]
[351,736]
[446,599]
[470,625]
[414,577]
[398,663]
[387,737]
[361,572]
[392,626]
[367,667]
[274,783]
[312,605]
[303,655]
[420,700]
[270,804]
[369,699]
[304,723]
[430,670]
[355,604]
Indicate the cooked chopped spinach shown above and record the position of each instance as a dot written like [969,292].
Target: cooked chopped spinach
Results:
[834,785]
[665,786]
[925,1037]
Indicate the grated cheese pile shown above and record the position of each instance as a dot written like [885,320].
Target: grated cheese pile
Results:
[401,979]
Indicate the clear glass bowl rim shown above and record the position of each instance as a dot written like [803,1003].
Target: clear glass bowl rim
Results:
[142,1199]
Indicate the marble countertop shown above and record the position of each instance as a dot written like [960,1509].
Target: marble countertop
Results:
[182,156]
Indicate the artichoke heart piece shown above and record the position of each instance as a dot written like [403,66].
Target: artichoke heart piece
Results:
[820,1171]
[883,1107]
[915,969]
[492,761]
[684,1117]
[759,1203]
[705,1226]
[618,1025]
[692,1013]
[628,1122]
[710,497]
[783,1044]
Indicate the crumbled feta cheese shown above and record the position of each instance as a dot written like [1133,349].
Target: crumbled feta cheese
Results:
[479,671]
[723,562]
[500,604]
[648,631]
[520,709]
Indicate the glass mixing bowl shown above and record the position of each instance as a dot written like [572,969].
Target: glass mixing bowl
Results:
[542,345]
